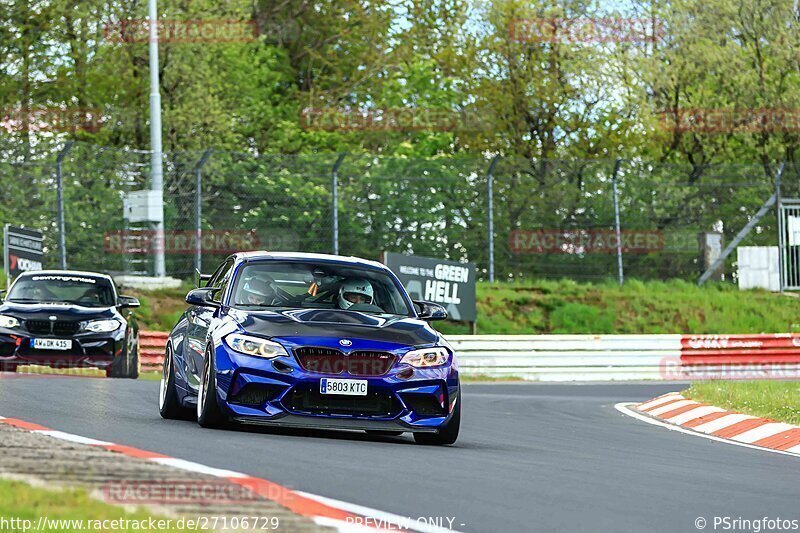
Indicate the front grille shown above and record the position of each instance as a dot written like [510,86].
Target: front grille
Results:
[39,327]
[334,362]
[66,328]
[307,399]
[46,327]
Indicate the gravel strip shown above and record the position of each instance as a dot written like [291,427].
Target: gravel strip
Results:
[121,480]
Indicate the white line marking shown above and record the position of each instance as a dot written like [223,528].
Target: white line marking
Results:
[697,412]
[197,467]
[658,401]
[402,521]
[669,407]
[69,437]
[625,408]
[722,422]
[762,432]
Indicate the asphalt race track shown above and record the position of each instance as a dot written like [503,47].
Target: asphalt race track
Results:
[531,457]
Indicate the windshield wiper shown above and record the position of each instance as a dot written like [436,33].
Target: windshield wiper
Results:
[24,300]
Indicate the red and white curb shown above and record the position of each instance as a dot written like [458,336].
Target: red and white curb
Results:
[328,512]
[677,413]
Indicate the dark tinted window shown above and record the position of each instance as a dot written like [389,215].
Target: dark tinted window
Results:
[55,288]
[317,286]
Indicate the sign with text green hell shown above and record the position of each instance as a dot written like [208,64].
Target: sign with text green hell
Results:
[447,283]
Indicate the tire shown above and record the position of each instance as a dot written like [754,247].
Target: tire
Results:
[209,412]
[127,367]
[169,405]
[383,433]
[448,434]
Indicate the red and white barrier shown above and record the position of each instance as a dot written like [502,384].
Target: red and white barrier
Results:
[603,357]
[753,356]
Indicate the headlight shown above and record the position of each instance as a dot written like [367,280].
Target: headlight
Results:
[426,357]
[8,321]
[255,346]
[102,326]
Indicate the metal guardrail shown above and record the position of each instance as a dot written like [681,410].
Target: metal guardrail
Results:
[566,357]
[603,357]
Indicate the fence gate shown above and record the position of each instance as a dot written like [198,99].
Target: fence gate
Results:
[789,243]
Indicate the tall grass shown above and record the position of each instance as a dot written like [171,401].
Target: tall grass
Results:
[565,306]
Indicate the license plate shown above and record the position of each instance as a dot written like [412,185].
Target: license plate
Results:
[51,344]
[346,387]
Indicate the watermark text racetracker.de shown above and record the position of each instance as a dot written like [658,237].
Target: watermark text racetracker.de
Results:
[409,119]
[178,241]
[708,120]
[673,368]
[586,30]
[142,492]
[583,241]
[753,525]
[207,31]
[51,119]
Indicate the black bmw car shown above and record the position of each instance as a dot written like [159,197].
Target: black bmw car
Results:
[65,319]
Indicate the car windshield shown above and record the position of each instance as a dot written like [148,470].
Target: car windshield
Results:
[80,290]
[317,286]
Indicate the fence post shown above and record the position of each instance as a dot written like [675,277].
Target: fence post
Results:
[198,210]
[779,214]
[62,237]
[616,221]
[335,201]
[490,199]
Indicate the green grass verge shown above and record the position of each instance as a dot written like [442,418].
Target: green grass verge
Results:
[676,306]
[779,400]
[161,308]
[21,501]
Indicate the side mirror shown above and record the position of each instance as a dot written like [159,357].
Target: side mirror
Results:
[430,310]
[202,297]
[2,295]
[201,278]
[127,302]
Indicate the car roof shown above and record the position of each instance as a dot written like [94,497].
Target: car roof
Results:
[66,273]
[308,257]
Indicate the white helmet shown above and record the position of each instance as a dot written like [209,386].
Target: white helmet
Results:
[360,287]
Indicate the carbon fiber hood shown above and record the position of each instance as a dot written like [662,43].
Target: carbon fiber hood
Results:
[336,323]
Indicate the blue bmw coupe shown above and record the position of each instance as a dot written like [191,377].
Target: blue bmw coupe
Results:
[311,341]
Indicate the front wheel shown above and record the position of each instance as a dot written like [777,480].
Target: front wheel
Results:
[209,413]
[169,405]
[448,433]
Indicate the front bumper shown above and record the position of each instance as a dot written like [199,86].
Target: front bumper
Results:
[279,392]
[89,350]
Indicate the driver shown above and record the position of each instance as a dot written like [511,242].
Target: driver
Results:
[258,291]
[355,291]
